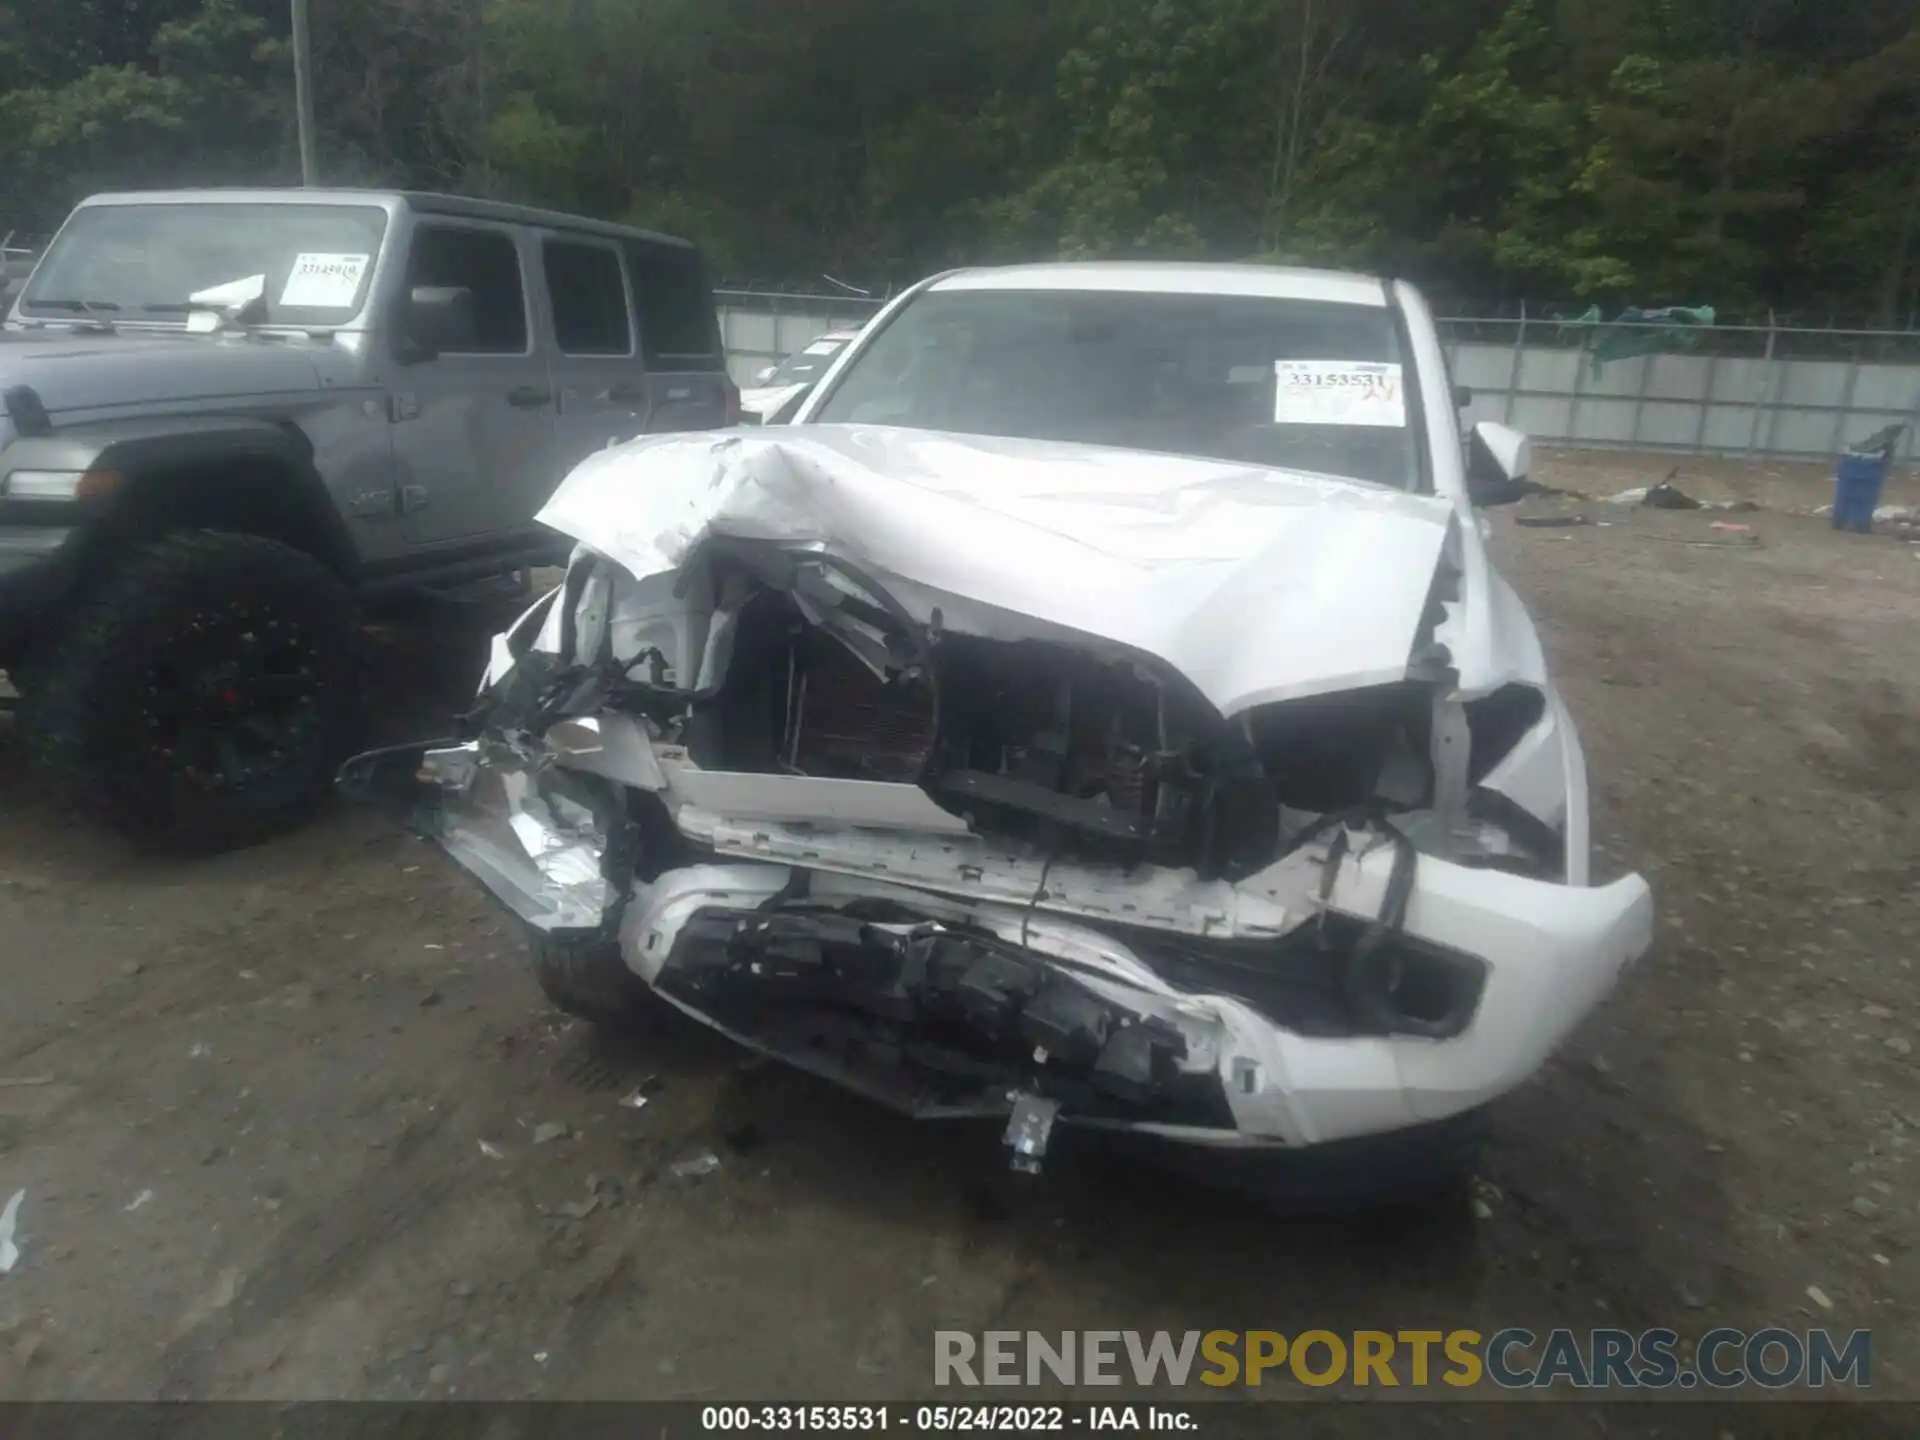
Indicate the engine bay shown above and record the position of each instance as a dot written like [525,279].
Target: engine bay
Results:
[1071,751]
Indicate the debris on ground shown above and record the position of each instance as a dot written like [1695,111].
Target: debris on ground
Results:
[1635,496]
[20,1082]
[1723,525]
[551,1130]
[199,1050]
[1901,520]
[695,1165]
[1819,1297]
[1545,521]
[9,1252]
[1737,542]
[142,1198]
[1668,496]
[491,1151]
[1486,1195]
[636,1101]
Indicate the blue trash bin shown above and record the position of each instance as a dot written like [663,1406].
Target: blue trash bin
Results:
[1856,489]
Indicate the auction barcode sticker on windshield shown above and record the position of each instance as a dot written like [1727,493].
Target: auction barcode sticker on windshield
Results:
[326,281]
[1337,392]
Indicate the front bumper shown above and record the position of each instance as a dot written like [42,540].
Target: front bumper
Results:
[920,968]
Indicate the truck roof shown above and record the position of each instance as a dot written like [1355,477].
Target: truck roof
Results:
[1277,282]
[421,202]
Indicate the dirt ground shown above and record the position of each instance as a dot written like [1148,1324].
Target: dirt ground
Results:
[279,1117]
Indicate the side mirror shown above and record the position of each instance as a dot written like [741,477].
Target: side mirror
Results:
[435,319]
[1498,459]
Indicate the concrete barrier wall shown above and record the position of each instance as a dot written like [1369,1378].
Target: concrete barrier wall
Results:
[1694,404]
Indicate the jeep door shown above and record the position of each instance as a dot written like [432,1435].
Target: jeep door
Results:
[593,360]
[474,440]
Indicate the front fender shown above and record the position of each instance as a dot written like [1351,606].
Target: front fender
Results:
[155,455]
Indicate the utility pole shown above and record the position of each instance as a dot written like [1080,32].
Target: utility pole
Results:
[303,90]
[480,95]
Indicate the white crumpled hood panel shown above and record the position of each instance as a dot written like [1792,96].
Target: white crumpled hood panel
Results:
[1257,585]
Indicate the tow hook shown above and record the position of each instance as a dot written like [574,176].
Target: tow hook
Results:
[1029,1128]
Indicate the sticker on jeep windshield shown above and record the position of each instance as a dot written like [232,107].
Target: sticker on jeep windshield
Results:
[325,282]
[1337,392]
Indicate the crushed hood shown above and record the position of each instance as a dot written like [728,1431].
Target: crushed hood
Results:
[1257,585]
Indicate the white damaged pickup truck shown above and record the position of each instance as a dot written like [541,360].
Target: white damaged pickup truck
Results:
[1096,711]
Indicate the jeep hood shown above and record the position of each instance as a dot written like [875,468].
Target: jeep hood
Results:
[1257,585]
[87,370]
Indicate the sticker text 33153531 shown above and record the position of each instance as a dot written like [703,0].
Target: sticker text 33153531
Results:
[1337,392]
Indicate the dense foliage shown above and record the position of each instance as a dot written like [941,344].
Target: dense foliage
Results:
[1739,153]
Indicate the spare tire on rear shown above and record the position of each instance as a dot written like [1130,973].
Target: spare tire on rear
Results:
[203,693]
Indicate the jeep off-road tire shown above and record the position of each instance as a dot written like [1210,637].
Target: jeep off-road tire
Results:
[201,694]
[588,978]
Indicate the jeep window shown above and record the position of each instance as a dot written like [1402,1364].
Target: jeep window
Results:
[589,298]
[141,262]
[485,263]
[679,328]
[1186,374]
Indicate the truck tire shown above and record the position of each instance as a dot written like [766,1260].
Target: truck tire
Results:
[588,978]
[201,696]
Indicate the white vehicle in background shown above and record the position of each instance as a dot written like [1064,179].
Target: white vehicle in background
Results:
[1097,711]
[775,385]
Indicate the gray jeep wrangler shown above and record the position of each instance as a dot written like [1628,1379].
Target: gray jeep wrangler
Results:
[232,417]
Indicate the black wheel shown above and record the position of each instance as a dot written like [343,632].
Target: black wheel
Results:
[203,693]
[587,977]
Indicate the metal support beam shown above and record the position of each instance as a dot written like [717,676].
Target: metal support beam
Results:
[1513,376]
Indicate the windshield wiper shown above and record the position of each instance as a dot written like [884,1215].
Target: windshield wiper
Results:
[81,307]
[169,307]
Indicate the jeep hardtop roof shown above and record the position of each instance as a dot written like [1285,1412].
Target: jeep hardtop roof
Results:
[420,202]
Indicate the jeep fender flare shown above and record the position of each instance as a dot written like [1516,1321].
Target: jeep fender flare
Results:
[209,472]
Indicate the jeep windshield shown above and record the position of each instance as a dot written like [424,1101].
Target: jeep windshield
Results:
[1288,384]
[143,262]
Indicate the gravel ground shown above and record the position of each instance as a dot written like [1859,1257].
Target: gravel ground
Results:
[295,1122]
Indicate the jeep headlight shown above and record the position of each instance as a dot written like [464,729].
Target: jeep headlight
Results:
[59,484]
